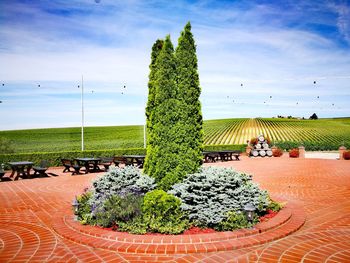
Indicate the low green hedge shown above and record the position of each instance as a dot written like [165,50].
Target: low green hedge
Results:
[54,158]
[233,147]
[311,146]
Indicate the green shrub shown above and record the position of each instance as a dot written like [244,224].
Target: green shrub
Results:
[115,197]
[209,195]
[321,145]
[135,226]
[222,147]
[162,213]
[84,208]
[118,209]
[157,212]
[235,220]
[286,145]
[274,206]
[121,181]
[215,198]
[106,215]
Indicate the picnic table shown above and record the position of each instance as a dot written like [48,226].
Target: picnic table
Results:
[136,160]
[211,156]
[224,155]
[90,164]
[2,173]
[20,169]
[106,162]
[227,155]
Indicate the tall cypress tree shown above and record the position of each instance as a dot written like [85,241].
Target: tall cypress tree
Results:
[189,92]
[156,48]
[174,124]
[161,103]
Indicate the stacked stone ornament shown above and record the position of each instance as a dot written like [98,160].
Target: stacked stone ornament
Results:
[261,148]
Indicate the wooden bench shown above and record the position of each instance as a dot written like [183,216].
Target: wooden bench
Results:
[68,163]
[135,160]
[2,173]
[225,155]
[118,160]
[106,162]
[41,169]
[236,155]
[211,157]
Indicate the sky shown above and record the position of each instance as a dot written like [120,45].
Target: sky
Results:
[255,58]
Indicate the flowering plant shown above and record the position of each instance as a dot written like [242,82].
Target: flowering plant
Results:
[253,141]
[277,152]
[269,214]
[346,155]
[294,153]
[268,140]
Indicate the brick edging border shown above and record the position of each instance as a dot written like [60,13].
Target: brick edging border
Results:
[287,221]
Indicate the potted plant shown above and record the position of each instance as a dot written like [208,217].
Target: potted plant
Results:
[277,152]
[346,155]
[294,153]
[253,141]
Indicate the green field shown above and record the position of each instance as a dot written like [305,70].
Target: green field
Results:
[238,131]
[323,134]
[69,139]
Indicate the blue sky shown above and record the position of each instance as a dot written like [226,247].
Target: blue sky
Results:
[276,49]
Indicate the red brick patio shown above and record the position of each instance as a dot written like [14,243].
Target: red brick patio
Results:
[36,221]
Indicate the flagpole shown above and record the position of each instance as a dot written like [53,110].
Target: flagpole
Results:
[144,135]
[82,113]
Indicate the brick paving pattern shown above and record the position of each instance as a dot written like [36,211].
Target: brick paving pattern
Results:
[36,223]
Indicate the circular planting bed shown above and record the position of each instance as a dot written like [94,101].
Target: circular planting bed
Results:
[287,221]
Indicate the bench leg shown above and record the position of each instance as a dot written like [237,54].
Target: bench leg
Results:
[43,174]
[76,170]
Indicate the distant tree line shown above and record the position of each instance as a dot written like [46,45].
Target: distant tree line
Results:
[312,117]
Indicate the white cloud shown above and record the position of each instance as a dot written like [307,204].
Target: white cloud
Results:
[110,44]
[343,21]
